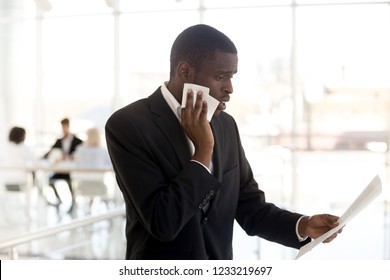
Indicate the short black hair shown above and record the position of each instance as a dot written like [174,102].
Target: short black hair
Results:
[65,121]
[197,44]
[17,135]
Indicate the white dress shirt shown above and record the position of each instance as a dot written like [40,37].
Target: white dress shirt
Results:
[66,143]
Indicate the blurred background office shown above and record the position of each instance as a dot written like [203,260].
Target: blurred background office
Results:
[312,101]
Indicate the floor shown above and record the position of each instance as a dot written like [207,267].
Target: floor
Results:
[101,240]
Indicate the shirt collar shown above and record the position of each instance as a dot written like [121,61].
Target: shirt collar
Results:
[171,100]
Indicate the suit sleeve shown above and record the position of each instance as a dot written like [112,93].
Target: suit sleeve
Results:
[259,217]
[75,143]
[57,144]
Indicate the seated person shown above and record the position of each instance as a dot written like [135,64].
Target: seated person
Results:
[91,155]
[17,154]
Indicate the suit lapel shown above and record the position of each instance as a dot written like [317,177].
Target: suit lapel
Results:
[170,126]
[217,164]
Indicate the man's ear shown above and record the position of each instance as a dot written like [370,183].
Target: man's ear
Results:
[185,71]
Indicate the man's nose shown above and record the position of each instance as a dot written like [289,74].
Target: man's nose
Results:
[228,87]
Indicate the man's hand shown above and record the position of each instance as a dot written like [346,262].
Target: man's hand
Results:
[317,225]
[196,126]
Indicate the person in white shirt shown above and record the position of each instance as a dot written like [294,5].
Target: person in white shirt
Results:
[182,199]
[16,155]
[91,155]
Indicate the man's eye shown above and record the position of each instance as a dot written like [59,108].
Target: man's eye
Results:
[224,76]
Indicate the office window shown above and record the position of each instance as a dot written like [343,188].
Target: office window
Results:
[244,3]
[145,51]
[311,96]
[57,8]
[77,71]
[157,6]
[18,75]
[344,67]
[261,101]
[338,1]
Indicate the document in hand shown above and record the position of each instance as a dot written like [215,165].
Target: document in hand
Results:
[373,189]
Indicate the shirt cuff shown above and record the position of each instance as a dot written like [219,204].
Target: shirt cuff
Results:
[300,238]
[202,165]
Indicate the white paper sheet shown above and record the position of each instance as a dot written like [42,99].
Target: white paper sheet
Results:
[373,189]
[211,101]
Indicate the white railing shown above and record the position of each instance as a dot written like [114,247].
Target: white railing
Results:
[12,242]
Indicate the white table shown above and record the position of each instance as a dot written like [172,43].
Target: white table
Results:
[40,172]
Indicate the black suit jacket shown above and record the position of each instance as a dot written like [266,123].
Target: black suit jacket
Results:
[165,192]
[58,144]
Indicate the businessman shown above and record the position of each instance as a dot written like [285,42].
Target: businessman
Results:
[67,144]
[185,179]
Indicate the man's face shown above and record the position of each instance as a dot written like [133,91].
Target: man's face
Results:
[65,129]
[217,75]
